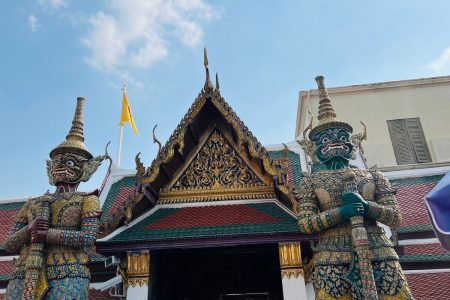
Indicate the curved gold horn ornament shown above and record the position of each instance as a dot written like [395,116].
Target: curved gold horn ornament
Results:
[91,166]
[107,156]
[140,169]
[357,139]
[307,145]
[310,126]
[155,140]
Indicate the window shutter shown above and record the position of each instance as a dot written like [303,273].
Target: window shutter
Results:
[403,149]
[418,141]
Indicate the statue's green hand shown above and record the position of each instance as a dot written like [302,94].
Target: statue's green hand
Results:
[349,198]
[351,210]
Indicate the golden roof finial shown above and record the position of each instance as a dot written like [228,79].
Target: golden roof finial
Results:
[208,83]
[75,139]
[217,82]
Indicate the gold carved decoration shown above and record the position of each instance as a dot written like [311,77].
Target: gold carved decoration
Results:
[290,254]
[290,260]
[138,269]
[217,165]
[288,273]
[217,172]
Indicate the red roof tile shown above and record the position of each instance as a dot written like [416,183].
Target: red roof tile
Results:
[211,221]
[6,268]
[7,221]
[412,204]
[432,286]
[122,196]
[424,249]
[204,216]
[117,195]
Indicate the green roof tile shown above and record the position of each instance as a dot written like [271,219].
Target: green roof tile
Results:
[13,205]
[294,165]
[113,194]
[415,228]
[436,257]
[416,180]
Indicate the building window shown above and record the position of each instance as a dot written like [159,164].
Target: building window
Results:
[408,141]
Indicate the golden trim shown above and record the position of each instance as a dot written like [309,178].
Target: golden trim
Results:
[290,255]
[138,269]
[177,138]
[214,193]
[138,264]
[133,282]
[296,273]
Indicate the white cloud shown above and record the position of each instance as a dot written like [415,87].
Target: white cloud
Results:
[137,33]
[442,64]
[33,22]
[54,4]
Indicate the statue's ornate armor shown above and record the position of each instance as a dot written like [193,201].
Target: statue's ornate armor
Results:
[74,223]
[320,199]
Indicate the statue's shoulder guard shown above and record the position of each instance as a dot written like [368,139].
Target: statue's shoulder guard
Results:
[306,185]
[382,184]
[307,178]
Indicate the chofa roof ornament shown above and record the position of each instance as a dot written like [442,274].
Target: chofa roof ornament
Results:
[209,87]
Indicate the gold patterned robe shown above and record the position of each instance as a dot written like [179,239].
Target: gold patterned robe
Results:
[73,228]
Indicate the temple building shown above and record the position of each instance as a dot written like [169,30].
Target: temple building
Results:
[213,216]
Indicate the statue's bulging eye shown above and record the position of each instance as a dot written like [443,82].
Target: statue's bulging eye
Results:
[70,163]
[325,140]
[343,138]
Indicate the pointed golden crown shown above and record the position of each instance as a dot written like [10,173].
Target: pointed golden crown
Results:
[327,116]
[74,142]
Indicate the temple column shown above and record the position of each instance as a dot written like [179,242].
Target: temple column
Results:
[137,275]
[292,274]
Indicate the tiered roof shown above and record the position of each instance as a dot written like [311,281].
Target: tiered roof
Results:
[210,125]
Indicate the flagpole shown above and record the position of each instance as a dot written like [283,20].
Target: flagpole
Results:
[119,150]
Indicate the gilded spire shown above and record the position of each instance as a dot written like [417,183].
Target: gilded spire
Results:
[76,131]
[208,83]
[326,115]
[326,111]
[75,139]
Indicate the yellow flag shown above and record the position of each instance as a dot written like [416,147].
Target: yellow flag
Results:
[127,116]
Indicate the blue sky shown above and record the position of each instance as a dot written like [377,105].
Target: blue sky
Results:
[264,51]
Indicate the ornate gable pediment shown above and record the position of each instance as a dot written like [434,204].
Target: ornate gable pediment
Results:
[217,171]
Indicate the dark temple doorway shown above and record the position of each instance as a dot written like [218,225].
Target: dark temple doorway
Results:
[223,273]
